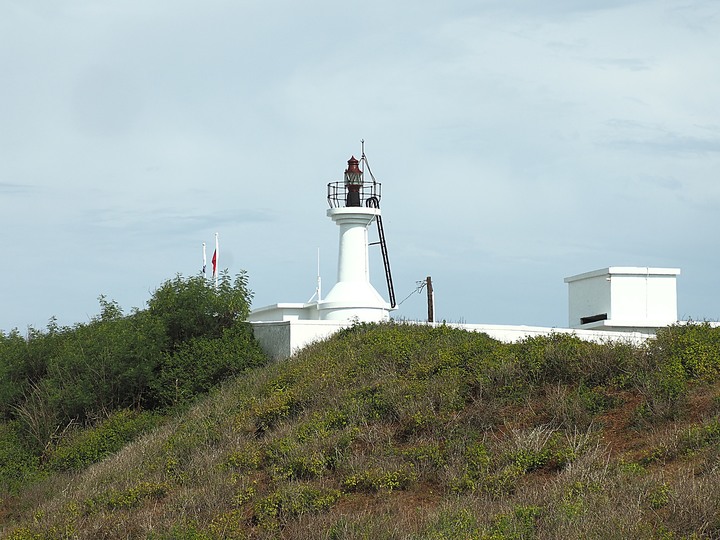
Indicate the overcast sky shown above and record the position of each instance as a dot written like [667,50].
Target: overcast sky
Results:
[518,142]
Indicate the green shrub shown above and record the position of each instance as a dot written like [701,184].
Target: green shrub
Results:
[313,448]
[19,465]
[195,366]
[551,358]
[247,458]
[190,338]
[228,525]
[288,459]
[25,533]
[428,455]
[380,478]
[689,440]
[450,525]
[658,496]
[574,501]
[576,407]
[664,390]
[679,354]
[292,501]
[375,402]
[125,499]
[94,444]
[187,530]
[516,525]
[695,346]
[279,405]
[192,307]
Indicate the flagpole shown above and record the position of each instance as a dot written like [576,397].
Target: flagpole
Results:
[204,273]
[217,259]
[319,281]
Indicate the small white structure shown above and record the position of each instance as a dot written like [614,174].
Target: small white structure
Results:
[281,339]
[285,327]
[623,298]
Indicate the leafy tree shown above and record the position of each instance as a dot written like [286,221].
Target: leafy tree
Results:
[197,365]
[207,338]
[191,336]
[192,307]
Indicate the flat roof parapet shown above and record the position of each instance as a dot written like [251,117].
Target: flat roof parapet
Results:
[625,271]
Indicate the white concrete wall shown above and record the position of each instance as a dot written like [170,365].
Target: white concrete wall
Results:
[651,298]
[588,295]
[281,339]
[511,334]
[285,312]
[631,296]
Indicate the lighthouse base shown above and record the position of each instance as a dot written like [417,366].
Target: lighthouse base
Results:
[350,300]
[347,312]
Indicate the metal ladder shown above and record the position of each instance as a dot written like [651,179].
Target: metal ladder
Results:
[373,202]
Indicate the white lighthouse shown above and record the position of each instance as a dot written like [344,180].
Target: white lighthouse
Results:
[354,206]
[354,203]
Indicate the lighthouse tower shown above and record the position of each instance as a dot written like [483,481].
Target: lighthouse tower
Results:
[354,206]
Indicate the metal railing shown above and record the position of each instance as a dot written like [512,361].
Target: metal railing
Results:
[337,193]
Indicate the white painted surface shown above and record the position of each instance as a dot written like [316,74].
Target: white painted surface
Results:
[285,312]
[632,297]
[281,339]
[511,334]
[353,296]
[353,241]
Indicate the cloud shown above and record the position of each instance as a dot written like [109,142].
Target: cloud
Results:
[554,8]
[630,64]
[16,189]
[668,144]
[175,221]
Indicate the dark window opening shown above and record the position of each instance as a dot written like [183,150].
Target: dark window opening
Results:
[593,318]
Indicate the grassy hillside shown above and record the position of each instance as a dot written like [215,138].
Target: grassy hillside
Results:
[402,431]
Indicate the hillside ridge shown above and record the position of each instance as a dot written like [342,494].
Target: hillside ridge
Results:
[403,431]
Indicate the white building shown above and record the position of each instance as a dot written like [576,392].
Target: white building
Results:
[623,298]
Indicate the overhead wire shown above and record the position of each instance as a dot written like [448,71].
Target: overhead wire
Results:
[420,286]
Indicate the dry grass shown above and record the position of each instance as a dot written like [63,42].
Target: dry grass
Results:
[364,437]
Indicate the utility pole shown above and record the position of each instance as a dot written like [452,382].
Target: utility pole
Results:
[430,299]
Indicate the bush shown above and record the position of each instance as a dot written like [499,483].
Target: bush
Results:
[292,501]
[190,338]
[192,307]
[18,464]
[94,444]
[694,347]
[197,365]
[380,478]
[124,499]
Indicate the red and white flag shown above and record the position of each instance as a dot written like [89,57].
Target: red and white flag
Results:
[216,260]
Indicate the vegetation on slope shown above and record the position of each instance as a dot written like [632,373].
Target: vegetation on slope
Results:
[116,372]
[403,431]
